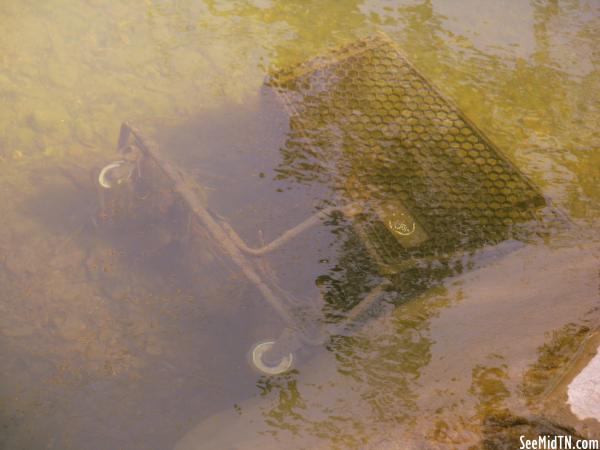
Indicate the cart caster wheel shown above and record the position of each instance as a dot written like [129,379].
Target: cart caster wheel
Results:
[123,170]
[257,354]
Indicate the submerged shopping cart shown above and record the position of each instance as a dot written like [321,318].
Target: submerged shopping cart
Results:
[418,181]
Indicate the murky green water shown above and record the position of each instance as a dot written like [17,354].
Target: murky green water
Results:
[132,330]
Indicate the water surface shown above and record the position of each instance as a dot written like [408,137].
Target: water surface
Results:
[129,333]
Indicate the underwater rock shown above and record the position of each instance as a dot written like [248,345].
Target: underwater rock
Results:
[504,431]
[47,120]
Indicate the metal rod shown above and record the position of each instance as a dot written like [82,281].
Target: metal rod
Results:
[182,184]
[233,245]
[286,236]
[374,295]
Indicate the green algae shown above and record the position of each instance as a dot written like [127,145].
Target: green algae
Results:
[554,359]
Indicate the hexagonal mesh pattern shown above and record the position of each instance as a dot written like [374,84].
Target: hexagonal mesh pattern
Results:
[364,121]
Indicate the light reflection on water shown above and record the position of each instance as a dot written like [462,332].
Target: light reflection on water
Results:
[130,337]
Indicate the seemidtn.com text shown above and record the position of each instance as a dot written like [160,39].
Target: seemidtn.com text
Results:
[558,443]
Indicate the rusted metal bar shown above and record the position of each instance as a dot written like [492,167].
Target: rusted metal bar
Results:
[295,334]
[287,235]
[182,185]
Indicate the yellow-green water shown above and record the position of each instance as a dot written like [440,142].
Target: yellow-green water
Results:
[129,342]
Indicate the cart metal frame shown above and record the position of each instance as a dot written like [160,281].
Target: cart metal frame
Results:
[303,318]
[303,324]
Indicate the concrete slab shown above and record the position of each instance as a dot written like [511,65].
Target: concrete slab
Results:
[584,391]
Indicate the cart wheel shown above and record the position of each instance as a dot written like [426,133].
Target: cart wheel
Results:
[107,180]
[257,354]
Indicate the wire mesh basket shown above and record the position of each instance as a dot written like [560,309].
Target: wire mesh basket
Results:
[366,122]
